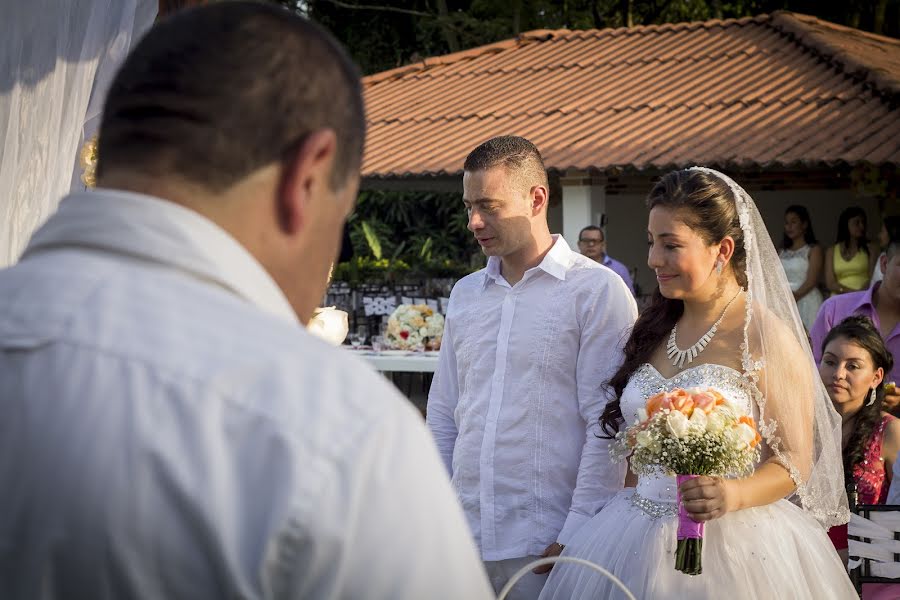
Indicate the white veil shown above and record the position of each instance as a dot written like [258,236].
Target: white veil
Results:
[800,427]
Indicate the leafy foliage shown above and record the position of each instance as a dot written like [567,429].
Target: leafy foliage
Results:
[383,34]
[395,234]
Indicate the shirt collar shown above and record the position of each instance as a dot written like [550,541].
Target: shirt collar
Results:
[556,262]
[866,298]
[149,228]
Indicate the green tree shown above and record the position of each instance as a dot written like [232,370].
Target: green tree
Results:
[383,34]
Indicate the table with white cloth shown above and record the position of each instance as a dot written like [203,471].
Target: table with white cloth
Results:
[396,361]
[410,372]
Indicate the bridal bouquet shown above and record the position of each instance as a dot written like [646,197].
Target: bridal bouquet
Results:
[688,433]
[414,325]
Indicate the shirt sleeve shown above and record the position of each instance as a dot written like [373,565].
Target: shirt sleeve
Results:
[894,490]
[392,529]
[443,398]
[605,329]
[822,325]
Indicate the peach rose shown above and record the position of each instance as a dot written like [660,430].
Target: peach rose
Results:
[681,401]
[705,401]
[655,403]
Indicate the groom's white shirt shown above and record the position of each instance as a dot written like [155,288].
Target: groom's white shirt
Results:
[516,399]
[169,430]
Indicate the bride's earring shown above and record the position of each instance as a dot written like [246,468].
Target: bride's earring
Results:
[720,264]
[871,398]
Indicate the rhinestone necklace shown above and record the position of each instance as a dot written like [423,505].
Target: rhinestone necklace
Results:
[679,356]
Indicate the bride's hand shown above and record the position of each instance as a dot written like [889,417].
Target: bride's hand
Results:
[707,498]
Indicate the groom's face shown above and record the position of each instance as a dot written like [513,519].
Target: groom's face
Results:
[499,210]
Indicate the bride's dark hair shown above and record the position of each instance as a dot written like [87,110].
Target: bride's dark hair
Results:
[705,204]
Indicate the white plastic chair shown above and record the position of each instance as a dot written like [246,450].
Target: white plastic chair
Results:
[557,559]
[874,544]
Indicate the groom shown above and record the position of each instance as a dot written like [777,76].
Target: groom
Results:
[528,344]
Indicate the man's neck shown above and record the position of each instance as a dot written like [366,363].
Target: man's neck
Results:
[513,266]
[888,310]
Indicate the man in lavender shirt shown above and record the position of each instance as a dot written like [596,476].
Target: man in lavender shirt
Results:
[881,303]
[592,243]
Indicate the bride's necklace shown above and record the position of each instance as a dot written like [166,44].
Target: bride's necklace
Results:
[679,356]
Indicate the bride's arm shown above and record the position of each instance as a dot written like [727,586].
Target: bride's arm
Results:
[707,498]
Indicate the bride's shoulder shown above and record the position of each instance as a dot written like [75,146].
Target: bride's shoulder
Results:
[776,347]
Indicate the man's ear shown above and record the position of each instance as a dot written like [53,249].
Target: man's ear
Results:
[540,196]
[304,174]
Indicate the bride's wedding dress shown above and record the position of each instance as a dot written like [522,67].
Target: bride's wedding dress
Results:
[765,553]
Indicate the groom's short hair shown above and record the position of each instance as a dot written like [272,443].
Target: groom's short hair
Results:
[516,154]
[215,92]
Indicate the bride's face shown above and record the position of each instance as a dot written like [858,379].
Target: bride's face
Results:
[683,262]
[849,374]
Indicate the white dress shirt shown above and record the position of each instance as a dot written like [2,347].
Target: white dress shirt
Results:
[169,430]
[517,395]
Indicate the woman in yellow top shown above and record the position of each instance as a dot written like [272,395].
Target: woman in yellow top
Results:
[849,263]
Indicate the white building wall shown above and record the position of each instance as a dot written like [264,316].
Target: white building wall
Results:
[583,203]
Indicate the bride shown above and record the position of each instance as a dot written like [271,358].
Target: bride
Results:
[723,317]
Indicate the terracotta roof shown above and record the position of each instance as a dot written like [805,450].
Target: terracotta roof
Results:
[775,90]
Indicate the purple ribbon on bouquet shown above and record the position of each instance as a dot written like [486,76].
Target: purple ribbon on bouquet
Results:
[687,527]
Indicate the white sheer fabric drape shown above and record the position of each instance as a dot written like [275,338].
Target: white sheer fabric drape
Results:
[56,62]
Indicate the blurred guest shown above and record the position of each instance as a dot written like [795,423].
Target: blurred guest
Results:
[853,366]
[850,262]
[592,243]
[890,230]
[881,303]
[170,429]
[802,259]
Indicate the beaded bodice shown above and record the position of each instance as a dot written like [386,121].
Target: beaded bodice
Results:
[647,381]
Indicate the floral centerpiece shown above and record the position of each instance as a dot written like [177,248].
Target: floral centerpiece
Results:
[688,433]
[411,326]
